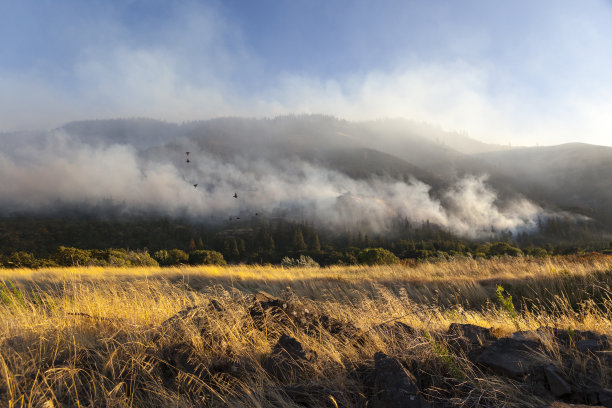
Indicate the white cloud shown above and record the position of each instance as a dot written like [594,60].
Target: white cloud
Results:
[200,67]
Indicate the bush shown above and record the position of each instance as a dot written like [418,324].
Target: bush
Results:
[302,262]
[121,257]
[172,257]
[377,256]
[205,257]
[22,259]
[503,248]
[69,256]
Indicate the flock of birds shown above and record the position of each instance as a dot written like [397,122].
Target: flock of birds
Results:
[196,186]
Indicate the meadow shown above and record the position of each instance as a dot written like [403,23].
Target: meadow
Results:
[193,336]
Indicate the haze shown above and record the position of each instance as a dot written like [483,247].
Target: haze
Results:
[515,73]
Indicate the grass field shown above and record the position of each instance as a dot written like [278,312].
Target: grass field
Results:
[97,337]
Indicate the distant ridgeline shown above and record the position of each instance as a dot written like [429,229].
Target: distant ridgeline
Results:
[35,241]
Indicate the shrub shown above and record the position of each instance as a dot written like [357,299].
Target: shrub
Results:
[121,257]
[22,259]
[69,256]
[301,262]
[205,257]
[171,257]
[504,248]
[377,256]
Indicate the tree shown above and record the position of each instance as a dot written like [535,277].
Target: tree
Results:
[377,256]
[205,257]
[316,244]
[68,256]
[298,240]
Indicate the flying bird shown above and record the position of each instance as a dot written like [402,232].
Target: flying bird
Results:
[235,195]
[195,185]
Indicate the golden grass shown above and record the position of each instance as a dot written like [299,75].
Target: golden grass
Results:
[94,336]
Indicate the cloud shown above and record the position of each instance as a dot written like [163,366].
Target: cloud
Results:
[544,81]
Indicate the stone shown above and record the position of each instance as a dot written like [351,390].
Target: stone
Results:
[471,333]
[591,345]
[605,397]
[288,359]
[394,387]
[511,357]
[268,309]
[556,383]
[469,339]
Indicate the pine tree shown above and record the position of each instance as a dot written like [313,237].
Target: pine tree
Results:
[298,240]
[316,244]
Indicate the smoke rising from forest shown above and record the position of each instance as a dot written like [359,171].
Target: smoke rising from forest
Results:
[61,169]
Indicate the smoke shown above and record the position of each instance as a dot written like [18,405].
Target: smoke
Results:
[57,169]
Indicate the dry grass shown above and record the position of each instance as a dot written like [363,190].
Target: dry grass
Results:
[94,336]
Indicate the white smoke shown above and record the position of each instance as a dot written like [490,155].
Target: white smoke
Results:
[60,170]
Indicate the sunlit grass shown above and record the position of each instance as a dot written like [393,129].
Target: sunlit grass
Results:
[64,328]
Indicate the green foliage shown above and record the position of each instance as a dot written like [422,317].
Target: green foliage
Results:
[171,257]
[10,295]
[506,303]
[206,257]
[68,256]
[22,259]
[302,262]
[503,248]
[377,256]
[536,252]
[121,257]
[448,359]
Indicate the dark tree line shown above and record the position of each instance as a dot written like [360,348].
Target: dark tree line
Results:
[39,241]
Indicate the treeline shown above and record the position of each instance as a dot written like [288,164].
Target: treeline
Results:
[69,256]
[67,241]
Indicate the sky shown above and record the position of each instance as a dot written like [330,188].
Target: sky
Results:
[519,73]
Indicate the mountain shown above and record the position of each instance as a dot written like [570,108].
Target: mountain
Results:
[574,176]
[312,167]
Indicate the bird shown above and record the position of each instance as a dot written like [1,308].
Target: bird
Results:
[195,185]
[187,161]
[235,195]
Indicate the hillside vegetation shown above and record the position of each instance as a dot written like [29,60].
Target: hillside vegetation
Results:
[319,337]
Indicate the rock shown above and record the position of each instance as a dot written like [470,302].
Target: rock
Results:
[583,340]
[287,359]
[511,357]
[396,330]
[197,316]
[268,309]
[309,395]
[471,333]
[557,384]
[592,345]
[394,386]
[469,339]
[605,397]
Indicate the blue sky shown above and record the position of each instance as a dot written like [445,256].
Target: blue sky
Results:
[519,72]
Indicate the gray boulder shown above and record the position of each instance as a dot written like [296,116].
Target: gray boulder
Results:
[511,357]
[394,386]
